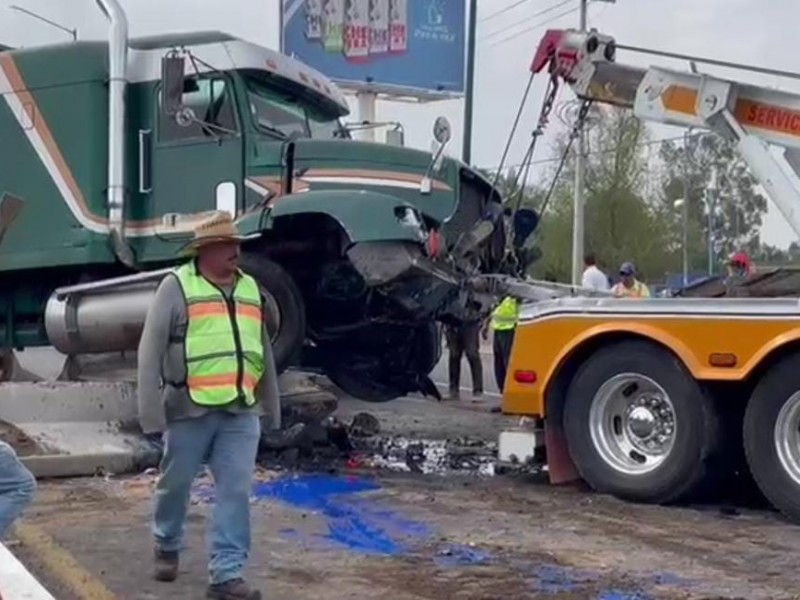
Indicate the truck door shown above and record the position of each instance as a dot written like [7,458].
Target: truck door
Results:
[199,154]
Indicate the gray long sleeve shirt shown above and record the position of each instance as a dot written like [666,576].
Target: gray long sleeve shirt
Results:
[161,358]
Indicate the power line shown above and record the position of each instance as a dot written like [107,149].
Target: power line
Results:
[534,27]
[529,18]
[553,159]
[504,10]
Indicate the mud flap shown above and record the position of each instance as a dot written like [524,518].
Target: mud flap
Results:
[560,467]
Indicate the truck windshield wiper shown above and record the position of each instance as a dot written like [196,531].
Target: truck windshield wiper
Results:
[273,130]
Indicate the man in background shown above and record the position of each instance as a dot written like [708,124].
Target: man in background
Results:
[503,323]
[593,277]
[629,286]
[464,338]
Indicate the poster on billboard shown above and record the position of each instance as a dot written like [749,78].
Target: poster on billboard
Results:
[395,47]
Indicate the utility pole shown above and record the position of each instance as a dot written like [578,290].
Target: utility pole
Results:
[469,92]
[712,201]
[578,201]
[685,207]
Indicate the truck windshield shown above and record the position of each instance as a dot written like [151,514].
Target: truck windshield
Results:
[283,115]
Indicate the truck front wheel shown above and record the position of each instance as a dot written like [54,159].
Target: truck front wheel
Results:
[284,309]
[638,426]
[772,436]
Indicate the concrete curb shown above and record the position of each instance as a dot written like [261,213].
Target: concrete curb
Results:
[16,582]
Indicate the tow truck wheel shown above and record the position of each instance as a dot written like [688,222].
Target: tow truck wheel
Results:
[772,436]
[638,426]
[284,309]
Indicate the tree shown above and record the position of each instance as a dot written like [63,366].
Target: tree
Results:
[737,210]
[622,222]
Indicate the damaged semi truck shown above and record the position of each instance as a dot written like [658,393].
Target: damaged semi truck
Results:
[113,151]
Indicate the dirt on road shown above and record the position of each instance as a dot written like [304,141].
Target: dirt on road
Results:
[411,537]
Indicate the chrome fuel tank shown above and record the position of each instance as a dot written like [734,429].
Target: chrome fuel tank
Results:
[102,316]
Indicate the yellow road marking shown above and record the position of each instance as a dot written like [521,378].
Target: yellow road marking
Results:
[61,564]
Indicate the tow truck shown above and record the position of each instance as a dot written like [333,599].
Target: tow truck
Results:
[659,400]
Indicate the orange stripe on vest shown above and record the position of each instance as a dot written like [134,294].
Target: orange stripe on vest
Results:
[218,309]
[214,381]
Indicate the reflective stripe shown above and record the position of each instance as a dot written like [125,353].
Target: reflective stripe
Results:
[216,309]
[216,381]
[223,347]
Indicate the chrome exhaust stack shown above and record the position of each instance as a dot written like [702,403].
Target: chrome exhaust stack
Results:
[117,66]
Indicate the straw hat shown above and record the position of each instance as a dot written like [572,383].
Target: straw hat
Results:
[219,227]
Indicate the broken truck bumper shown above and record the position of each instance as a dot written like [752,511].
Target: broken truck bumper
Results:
[421,286]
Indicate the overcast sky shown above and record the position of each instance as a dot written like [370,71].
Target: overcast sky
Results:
[746,31]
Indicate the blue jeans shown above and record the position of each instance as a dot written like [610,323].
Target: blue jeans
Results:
[17,487]
[229,444]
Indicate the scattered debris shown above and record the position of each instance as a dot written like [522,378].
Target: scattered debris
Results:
[439,457]
[364,425]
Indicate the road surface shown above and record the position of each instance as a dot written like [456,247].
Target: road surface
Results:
[362,532]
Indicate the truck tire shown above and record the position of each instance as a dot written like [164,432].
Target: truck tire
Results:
[638,426]
[772,436]
[284,309]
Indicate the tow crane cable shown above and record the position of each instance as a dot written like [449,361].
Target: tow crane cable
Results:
[513,131]
[576,129]
[544,115]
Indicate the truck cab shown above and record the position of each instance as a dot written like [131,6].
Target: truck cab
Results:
[359,247]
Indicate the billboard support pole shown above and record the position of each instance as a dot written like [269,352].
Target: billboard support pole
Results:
[469,92]
[366,113]
[578,201]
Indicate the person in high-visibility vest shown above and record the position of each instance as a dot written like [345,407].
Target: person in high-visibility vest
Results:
[628,286]
[503,323]
[204,338]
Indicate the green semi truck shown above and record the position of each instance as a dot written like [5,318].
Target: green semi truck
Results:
[112,151]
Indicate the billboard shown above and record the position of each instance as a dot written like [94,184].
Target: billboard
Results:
[398,47]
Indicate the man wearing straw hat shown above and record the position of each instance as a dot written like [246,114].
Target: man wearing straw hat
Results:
[204,338]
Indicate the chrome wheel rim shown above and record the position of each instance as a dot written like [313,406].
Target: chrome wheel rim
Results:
[632,423]
[787,437]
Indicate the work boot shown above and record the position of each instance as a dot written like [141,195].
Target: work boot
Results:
[235,589]
[166,567]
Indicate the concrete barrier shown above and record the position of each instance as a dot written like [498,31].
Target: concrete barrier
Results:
[65,429]
[16,583]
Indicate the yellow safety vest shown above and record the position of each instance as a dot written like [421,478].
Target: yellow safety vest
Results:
[224,347]
[638,290]
[505,316]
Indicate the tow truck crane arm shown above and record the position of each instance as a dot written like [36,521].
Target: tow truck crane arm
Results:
[752,117]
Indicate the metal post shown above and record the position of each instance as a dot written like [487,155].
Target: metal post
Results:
[366,114]
[712,193]
[469,92]
[578,206]
[685,207]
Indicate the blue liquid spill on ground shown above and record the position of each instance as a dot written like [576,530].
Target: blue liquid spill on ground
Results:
[620,595]
[361,525]
[353,523]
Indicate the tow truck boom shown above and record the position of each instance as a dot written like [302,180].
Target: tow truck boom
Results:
[752,117]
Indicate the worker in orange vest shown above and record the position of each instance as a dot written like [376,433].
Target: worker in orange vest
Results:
[628,286]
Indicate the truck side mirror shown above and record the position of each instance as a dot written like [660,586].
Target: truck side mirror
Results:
[172,80]
[395,137]
[442,133]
